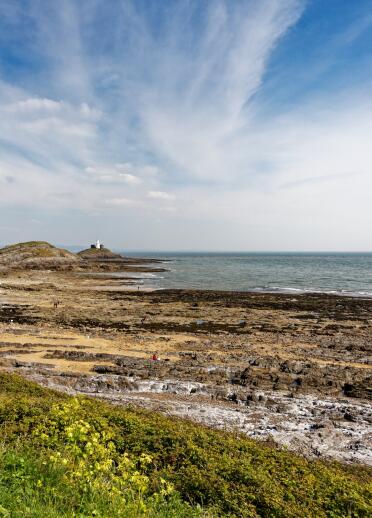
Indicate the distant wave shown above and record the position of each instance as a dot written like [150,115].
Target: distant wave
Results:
[288,289]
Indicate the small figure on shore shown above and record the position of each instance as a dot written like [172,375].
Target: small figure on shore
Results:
[155,357]
[55,304]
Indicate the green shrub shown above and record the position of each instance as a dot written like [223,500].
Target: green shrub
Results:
[88,456]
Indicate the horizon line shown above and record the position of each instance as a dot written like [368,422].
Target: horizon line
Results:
[222,251]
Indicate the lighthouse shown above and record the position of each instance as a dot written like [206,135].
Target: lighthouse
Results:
[97,245]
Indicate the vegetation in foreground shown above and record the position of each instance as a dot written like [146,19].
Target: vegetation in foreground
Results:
[63,456]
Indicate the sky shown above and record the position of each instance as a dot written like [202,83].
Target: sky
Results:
[227,125]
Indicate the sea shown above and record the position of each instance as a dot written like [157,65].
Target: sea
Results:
[333,273]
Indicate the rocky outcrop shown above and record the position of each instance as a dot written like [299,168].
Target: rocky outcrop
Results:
[99,254]
[40,255]
[104,260]
[36,255]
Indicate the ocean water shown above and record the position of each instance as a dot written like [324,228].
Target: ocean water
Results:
[346,273]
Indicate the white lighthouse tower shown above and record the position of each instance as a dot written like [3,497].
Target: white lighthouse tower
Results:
[97,245]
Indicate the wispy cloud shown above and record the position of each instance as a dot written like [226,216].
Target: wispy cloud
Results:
[129,88]
[159,195]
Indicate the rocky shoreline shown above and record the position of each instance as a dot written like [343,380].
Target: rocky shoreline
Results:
[296,370]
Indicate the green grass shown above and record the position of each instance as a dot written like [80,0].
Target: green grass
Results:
[95,252]
[37,249]
[64,456]
[31,487]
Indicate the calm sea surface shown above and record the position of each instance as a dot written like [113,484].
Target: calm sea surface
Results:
[348,273]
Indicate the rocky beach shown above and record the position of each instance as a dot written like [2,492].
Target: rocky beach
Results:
[294,370]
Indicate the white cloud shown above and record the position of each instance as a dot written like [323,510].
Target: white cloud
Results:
[196,119]
[121,202]
[159,195]
[130,178]
[145,171]
[118,174]
[89,112]
[174,123]
[35,105]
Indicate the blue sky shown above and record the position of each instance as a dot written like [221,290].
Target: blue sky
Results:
[185,124]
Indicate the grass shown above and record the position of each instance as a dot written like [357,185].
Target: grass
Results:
[25,245]
[63,456]
[96,252]
[35,249]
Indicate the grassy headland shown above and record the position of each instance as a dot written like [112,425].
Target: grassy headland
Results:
[36,255]
[42,256]
[63,456]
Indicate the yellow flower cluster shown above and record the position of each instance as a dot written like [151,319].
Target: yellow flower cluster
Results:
[88,453]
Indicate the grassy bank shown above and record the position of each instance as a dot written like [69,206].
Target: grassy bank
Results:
[62,456]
